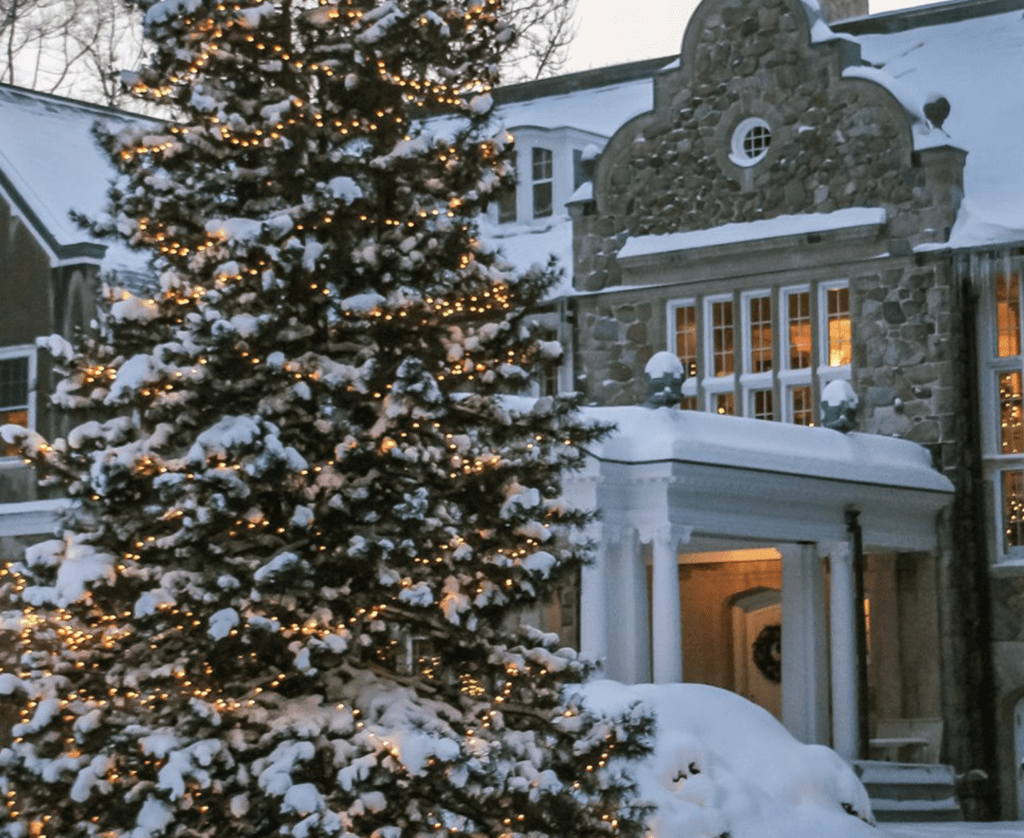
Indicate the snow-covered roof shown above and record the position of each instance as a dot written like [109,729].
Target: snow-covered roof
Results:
[768,228]
[599,110]
[51,164]
[975,63]
[646,435]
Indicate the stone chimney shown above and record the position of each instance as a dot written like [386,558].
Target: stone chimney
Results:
[841,9]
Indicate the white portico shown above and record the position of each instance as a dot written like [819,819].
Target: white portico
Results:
[716,531]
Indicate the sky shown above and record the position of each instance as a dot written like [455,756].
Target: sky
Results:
[615,31]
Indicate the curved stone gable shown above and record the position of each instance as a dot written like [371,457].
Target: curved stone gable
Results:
[836,142]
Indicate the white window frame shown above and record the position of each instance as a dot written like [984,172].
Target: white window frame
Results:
[540,181]
[712,384]
[25,350]
[991,366]
[826,372]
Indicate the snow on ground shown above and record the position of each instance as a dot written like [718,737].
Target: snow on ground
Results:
[722,765]
[1006,829]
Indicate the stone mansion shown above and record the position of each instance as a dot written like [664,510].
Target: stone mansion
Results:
[803,195]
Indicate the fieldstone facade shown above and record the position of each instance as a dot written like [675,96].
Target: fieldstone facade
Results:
[839,141]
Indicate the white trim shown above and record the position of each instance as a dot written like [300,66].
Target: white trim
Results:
[738,153]
[28,351]
[37,517]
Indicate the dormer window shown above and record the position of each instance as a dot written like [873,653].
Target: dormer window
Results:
[15,377]
[543,177]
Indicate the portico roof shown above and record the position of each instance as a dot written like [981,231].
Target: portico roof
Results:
[726,479]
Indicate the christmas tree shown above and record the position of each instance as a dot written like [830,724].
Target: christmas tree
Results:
[304,508]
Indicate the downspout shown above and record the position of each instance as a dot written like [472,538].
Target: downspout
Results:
[857,549]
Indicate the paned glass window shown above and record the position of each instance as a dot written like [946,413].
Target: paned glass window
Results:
[799,326]
[801,405]
[1011,429]
[1013,509]
[508,212]
[722,338]
[14,396]
[579,177]
[762,404]
[686,346]
[725,403]
[760,326]
[1007,315]
[840,345]
[543,174]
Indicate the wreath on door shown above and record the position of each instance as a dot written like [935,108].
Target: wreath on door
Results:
[768,652]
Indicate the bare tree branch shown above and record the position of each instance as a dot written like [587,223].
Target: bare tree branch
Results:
[545,30]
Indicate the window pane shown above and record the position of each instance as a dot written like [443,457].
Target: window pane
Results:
[840,348]
[762,404]
[760,334]
[542,164]
[13,382]
[802,409]
[686,339]
[1013,509]
[12,417]
[799,330]
[722,338]
[542,206]
[507,211]
[1008,315]
[1010,403]
[725,403]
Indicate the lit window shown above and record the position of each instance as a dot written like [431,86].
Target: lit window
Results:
[686,346]
[1010,405]
[1013,509]
[760,332]
[722,337]
[1008,315]
[762,404]
[799,323]
[840,346]
[725,404]
[801,405]
[543,173]
[14,395]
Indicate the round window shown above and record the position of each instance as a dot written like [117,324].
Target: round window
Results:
[750,141]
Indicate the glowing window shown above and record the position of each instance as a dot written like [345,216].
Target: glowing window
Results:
[725,404]
[761,403]
[1013,509]
[840,346]
[1011,402]
[799,323]
[801,406]
[14,396]
[1008,315]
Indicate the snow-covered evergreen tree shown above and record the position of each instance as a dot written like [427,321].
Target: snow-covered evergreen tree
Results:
[303,513]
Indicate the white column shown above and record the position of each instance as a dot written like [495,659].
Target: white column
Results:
[594,615]
[666,618]
[804,644]
[843,636]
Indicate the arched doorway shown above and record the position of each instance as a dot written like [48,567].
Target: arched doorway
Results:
[757,647]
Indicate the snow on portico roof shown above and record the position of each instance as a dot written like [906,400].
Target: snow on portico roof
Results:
[975,63]
[50,164]
[645,435]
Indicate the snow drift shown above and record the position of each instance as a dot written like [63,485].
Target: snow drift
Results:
[723,767]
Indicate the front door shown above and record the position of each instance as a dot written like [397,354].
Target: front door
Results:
[757,648]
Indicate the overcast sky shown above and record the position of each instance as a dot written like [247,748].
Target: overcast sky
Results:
[614,31]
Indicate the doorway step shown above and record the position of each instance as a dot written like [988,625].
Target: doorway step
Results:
[905,791]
